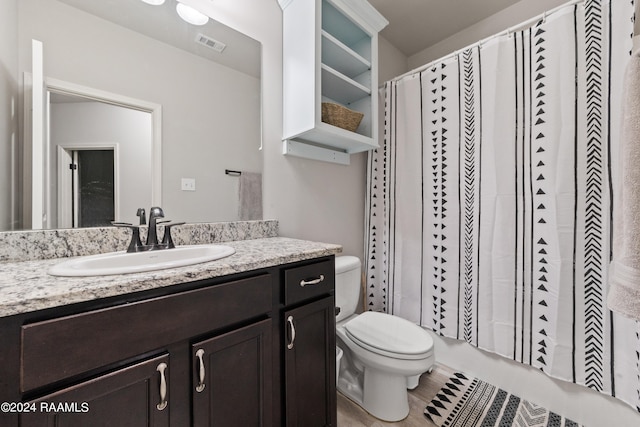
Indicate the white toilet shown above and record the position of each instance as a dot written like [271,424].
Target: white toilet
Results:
[383,354]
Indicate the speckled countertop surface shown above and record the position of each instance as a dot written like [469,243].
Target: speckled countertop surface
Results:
[25,286]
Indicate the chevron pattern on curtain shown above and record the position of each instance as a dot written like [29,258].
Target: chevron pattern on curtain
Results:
[490,203]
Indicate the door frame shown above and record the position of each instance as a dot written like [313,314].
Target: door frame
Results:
[64,192]
[37,135]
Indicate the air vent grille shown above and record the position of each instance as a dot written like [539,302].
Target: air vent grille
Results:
[210,43]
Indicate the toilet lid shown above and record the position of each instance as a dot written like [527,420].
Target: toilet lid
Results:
[383,333]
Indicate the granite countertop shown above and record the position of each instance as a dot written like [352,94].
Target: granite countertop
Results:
[25,286]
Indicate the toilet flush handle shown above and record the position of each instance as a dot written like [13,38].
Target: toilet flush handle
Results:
[306,282]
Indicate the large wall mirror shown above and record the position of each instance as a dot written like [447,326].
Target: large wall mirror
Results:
[137,94]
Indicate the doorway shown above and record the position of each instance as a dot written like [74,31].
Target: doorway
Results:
[87,185]
[93,188]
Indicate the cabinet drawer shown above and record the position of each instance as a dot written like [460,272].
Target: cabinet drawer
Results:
[60,348]
[309,281]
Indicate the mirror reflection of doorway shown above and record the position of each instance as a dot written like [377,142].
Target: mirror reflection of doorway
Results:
[80,118]
[93,200]
[87,185]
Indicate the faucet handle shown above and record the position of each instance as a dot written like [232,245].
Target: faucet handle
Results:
[167,239]
[143,216]
[136,244]
[122,224]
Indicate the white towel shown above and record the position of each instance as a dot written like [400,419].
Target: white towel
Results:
[250,202]
[624,273]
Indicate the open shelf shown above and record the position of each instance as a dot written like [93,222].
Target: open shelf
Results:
[341,88]
[341,57]
[341,27]
[328,136]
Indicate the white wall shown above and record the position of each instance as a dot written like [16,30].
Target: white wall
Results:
[88,123]
[8,109]
[206,107]
[392,62]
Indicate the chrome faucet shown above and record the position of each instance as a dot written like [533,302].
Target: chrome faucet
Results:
[155,215]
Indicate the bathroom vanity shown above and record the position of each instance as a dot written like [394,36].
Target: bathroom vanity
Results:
[245,340]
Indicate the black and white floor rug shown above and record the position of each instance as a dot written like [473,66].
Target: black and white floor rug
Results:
[465,401]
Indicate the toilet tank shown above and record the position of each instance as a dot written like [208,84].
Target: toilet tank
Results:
[348,282]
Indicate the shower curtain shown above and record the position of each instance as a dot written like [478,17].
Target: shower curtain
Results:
[490,203]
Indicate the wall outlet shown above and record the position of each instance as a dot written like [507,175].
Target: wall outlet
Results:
[188,184]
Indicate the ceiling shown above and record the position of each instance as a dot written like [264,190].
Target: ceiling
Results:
[415,25]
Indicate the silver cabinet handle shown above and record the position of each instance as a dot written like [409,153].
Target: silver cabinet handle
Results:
[292,328]
[304,283]
[163,386]
[201,371]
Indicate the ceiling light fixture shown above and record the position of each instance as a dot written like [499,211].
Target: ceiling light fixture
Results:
[191,15]
[154,2]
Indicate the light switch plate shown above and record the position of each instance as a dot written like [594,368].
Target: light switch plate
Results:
[188,184]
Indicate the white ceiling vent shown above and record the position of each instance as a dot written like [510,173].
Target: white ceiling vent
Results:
[210,43]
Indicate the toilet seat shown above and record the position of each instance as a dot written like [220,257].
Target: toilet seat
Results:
[389,336]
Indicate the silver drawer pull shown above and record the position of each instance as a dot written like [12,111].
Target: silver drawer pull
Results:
[292,328]
[163,387]
[201,372]
[304,283]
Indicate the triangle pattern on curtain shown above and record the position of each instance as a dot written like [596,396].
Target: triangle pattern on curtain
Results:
[490,203]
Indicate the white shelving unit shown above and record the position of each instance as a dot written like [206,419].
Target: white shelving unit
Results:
[330,54]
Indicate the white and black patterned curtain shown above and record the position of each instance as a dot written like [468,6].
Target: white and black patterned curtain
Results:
[490,202]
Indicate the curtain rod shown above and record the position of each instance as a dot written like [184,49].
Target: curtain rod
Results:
[509,30]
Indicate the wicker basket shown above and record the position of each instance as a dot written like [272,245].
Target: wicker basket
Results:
[340,116]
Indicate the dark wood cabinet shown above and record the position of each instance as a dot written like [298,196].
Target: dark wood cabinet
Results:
[309,347]
[310,364]
[232,378]
[128,397]
[206,353]
[62,347]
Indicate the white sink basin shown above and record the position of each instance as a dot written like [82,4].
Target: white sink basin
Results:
[123,262]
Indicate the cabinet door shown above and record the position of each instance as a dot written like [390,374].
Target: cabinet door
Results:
[310,364]
[135,396]
[232,378]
